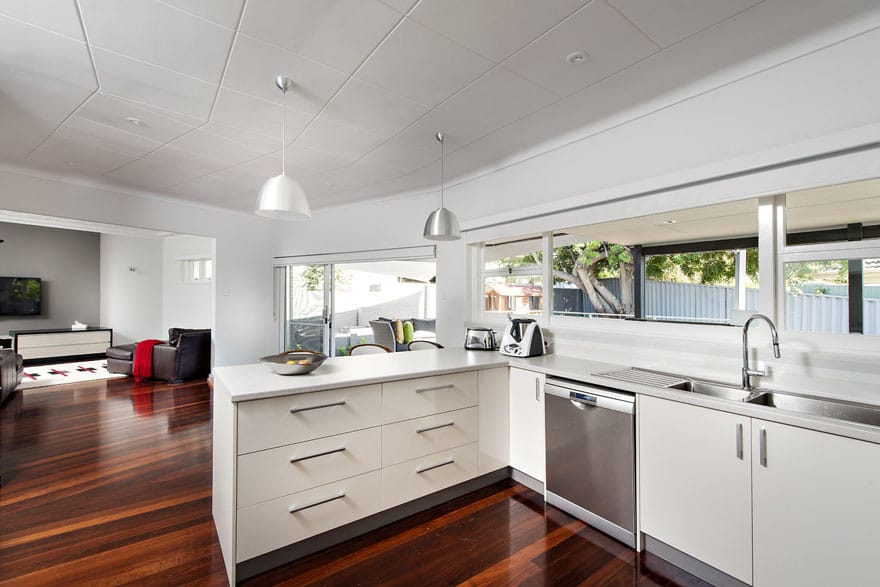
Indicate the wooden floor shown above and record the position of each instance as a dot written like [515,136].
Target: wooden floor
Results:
[109,483]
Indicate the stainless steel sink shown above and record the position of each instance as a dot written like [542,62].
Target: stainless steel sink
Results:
[814,406]
[792,402]
[714,389]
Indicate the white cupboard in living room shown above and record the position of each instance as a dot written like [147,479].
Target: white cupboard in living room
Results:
[695,472]
[527,423]
[817,507]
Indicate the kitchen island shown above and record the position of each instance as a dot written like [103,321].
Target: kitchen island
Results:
[302,462]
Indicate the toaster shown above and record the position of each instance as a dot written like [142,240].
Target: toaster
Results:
[479,339]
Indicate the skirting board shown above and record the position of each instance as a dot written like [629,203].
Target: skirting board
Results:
[527,480]
[255,566]
[690,564]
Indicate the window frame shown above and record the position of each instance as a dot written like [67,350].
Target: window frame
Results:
[826,245]
[480,273]
[186,267]
[773,252]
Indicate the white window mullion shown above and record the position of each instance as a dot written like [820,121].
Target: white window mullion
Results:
[547,243]
[771,214]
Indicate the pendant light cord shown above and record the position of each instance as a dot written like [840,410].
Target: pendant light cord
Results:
[283,124]
[442,170]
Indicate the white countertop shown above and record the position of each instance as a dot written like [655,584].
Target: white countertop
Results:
[255,381]
[584,370]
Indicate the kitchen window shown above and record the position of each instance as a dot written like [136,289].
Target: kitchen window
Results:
[830,259]
[703,265]
[592,278]
[697,266]
[513,277]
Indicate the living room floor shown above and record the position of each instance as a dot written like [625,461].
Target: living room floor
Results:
[109,483]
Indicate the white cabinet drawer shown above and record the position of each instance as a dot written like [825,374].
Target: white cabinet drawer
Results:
[272,524]
[268,474]
[273,422]
[64,350]
[414,398]
[411,479]
[27,341]
[410,439]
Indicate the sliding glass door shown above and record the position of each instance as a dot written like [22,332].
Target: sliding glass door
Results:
[305,307]
[329,307]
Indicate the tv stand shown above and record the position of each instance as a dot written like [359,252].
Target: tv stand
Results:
[61,343]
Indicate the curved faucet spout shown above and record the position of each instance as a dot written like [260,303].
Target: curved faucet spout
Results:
[747,373]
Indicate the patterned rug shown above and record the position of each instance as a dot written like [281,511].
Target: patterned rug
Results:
[43,375]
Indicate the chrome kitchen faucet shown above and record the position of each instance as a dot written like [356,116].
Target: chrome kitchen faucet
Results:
[747,373]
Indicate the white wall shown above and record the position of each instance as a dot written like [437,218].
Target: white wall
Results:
[243,326]
[186,305]
[131,288]
[66,261]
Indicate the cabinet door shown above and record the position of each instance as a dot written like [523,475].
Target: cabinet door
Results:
[817,518]
[695,482]
[527,422]
[494,426]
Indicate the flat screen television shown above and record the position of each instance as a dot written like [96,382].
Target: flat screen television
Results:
[21,296]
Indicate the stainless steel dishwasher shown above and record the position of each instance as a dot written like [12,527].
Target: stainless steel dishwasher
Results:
[591,455]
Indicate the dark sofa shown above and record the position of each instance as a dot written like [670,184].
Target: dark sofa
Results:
[186,355]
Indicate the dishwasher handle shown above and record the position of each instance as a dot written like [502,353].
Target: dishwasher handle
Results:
[586,396]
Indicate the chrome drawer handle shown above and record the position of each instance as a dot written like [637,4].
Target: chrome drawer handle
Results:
[300,508]
[438,426]
[421,470]
[762,443]
[318,407]
[316,455]
[435,388]
[739,441]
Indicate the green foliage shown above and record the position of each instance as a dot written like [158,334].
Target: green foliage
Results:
[710,268]
[313,277]
[796,274]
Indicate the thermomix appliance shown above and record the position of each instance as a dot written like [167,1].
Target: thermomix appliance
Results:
[522,338]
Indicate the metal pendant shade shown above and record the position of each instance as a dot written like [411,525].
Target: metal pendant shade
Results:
[442,225]
[282,197]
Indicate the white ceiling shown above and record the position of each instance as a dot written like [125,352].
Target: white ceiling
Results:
[374,81]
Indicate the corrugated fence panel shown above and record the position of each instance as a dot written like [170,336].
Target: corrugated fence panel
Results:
[838,289]
[712,303]
[871,316]
[817,313]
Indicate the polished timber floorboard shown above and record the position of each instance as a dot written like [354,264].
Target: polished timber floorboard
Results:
[109,483]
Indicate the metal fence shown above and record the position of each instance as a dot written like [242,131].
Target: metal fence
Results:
[693,302]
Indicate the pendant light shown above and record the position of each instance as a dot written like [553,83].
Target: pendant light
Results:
[281,196]
[442,225]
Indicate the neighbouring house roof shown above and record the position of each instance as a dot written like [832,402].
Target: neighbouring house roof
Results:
[514,290]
